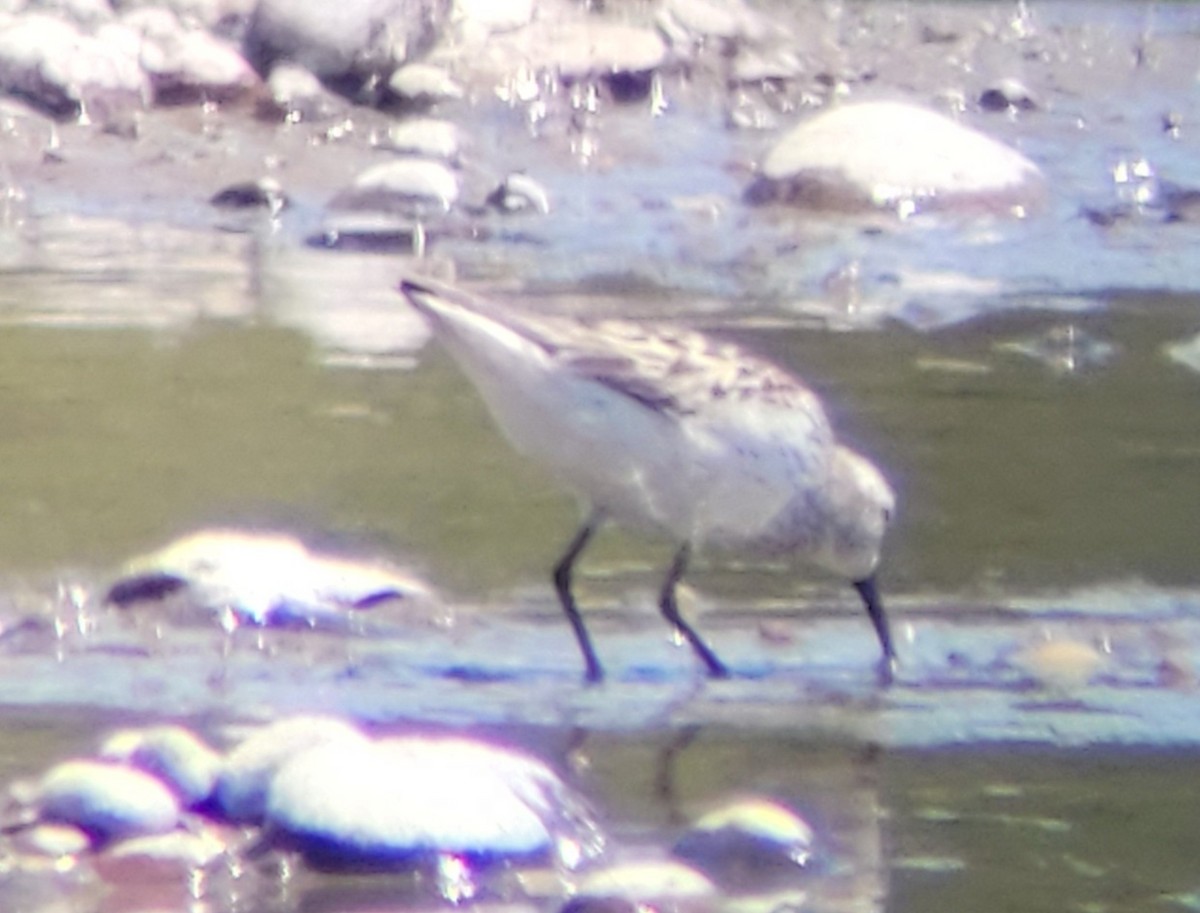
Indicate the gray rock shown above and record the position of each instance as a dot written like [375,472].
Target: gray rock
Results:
[353,43]
[68,74]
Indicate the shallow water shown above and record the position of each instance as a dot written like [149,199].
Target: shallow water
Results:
[163,368]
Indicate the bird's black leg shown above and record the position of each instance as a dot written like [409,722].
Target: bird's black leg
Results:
[670,611]
[562,584]
[870,597]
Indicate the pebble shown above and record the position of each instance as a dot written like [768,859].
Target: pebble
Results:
[895,156]
[108,801]
[1007,95]
[519,193]
[1060,663]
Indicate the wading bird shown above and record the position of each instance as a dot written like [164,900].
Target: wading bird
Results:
[662,428]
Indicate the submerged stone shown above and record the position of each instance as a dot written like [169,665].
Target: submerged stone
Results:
[897,156]
[647,882]
[746,841]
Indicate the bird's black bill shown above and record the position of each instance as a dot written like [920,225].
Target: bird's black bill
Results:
[870,597]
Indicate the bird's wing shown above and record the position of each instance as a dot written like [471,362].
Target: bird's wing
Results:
[665,368]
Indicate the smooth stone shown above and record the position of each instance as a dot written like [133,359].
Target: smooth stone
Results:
[644,882]
[898,156]
[1061,663]
[67,73]
[297,94]
[1007,95]
[491,16]
[745,841]
[263,579]
[265,193]
[107,800]
[360,40]
[401,802]
[696,20]
[1185,352]
[193,65]
[425,137]
[175,755]
[51,839]
[520,193]
[246,776]
[409,186]
[423,83]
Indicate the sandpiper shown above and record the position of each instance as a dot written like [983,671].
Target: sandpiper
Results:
[662,428]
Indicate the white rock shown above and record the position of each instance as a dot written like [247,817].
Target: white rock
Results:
[67,73]
[491,16]
[898,156]
[251,767]
[425,137]
[647,881]
[263,579]
[173,754]
[108,800]
[402,800]
[406,184]
[424,83]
